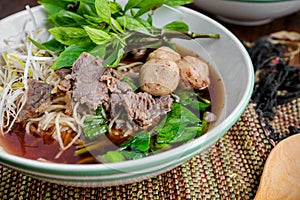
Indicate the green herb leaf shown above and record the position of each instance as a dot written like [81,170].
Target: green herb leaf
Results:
[131,23]
[132,4]
[70,35]
[67,18]
[177,26]
[116,26]
[86,8]
[193,100]
[132,155]
[140,142]
[99,50]
[175,123]
[113,156]
[177,2]
[129,81]
[103,10]
[189,133]
[97,36]
[68,57]
[146,6]
[51,45]
[53,7]
[115,8]
[116,55]
[86,1]
[94,126]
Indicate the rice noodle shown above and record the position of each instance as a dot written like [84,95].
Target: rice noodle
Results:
[124,67]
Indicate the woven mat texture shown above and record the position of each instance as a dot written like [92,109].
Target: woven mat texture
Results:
[230,169]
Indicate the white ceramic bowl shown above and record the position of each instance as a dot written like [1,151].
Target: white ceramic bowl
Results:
[227,55]
[248,12]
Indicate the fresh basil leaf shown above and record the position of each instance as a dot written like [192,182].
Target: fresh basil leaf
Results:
[99,50]
[38,45]
[116,26]
[132,155]
[97,36]
[68,57]
[156,147]
[140,142]
[168,133]
[87,1]
[129,81]
[86,9]
[177,2]
[103,10]
[51,45]
[94,20]
[175,124]
[131,23]
[115,8]
[67,18]
[115,51]
[150,19]
[70,35]
[187,134]
[94,126]
[113,156]
[193,100]
[177,26]
[115,57]
[146,6]
[54,46]
[132,4]
[53,7]
[145,23]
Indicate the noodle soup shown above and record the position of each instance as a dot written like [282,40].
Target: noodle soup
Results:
[67,131]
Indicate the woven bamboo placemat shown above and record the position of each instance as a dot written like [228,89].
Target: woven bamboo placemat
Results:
[230,169]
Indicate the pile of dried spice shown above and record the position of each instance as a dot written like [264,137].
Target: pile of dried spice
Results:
[278,81]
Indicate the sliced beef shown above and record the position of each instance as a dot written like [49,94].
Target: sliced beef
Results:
[143,108]
[69,103]
[66,80]
[113,83]
[165,103]
[62,73]
[38,98]
[140,108]
[95,85]
[86,72]
[113,105]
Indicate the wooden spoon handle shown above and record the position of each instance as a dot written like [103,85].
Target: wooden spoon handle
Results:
[281,175]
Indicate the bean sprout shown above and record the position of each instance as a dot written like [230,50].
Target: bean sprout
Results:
[20,62]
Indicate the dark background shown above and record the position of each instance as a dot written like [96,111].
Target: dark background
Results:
[290,23]
[8,7]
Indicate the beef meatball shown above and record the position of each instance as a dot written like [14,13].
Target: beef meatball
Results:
[194,72]
[159,77]
[164,53]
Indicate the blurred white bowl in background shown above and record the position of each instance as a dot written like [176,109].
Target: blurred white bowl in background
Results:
[248,12]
